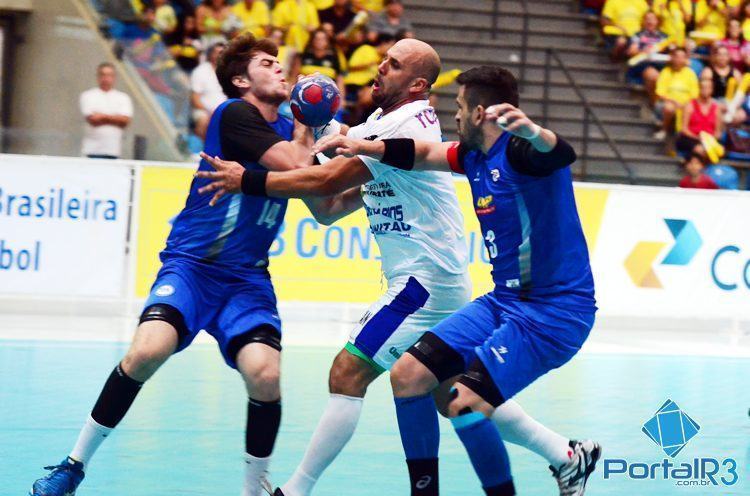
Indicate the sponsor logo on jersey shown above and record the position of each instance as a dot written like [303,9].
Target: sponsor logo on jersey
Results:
[164,290]
[485,205]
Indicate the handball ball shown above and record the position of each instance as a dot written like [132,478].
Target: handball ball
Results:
[315,100]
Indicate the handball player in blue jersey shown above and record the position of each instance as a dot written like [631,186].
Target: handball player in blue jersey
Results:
[215,271]
[542,307]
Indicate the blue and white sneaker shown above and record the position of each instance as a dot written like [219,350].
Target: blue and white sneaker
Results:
[572,476]
[62,481]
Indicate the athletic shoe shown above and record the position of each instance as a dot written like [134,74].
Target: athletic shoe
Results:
[572,476]
[62,481]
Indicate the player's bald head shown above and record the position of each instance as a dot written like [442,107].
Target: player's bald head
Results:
[421,57]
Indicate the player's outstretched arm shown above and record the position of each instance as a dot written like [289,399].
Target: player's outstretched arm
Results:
[403,153]
[336,176]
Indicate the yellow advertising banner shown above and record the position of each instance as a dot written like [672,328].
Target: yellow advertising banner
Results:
[308,261]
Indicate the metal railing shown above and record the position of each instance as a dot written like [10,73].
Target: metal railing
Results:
[589,113]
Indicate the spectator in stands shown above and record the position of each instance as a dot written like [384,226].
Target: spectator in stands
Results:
[297,18]
[676,86]
[215,22]
[711,20]
[286,55]
[720,71]
[702,115]
[206,93]
[620,20]
[320,56]
[253,16]
[107,112]
[647,42]
[695,176]
[736,45]
[188,51]
[337,18]
[391,22]
[674,18]
[363,68]
[165,21]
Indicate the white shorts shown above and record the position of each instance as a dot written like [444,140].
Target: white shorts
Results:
[411,307]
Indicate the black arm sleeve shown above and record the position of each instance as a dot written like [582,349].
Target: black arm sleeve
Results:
[245,134]
[525,159]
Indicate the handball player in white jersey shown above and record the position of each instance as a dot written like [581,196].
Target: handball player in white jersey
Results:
[418,225]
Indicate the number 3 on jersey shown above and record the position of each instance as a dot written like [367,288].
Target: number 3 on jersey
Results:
[269,214]
[491,246]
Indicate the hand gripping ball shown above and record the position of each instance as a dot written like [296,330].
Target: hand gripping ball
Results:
[315,100]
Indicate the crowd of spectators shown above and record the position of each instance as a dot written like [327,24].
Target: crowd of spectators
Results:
[692,58]
[343,39]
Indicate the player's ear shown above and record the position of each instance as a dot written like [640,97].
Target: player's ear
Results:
[420,85]
[477,115]
[241,82]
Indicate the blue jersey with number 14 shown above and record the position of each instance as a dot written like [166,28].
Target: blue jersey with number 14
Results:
[238,231]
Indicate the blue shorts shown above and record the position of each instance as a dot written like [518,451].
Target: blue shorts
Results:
[222,303]
[517,341]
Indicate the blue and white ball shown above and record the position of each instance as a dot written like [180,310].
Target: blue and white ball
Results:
[315,100]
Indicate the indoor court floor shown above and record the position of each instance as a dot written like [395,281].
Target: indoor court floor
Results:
[184,435]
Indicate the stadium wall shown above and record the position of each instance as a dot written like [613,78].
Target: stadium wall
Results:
[83,233]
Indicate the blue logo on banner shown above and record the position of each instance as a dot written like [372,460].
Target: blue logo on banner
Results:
[671,428]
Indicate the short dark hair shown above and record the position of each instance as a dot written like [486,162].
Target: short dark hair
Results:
[694,155]
[678,49]
[489,85]
[236,57]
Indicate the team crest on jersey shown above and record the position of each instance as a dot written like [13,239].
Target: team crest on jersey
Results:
[495,175]
[485,205]
[164,290]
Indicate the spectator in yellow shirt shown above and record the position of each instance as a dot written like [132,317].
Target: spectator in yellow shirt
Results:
[254,16]
[674,17]
[677,85]
[620,20]
[711,18]
[298,18]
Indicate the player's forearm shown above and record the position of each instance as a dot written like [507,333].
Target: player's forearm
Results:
[300,183]
[545,142]
[330,209]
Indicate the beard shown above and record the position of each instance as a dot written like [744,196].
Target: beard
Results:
[470,136]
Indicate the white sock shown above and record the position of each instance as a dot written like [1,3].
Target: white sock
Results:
[89,439]
[255,468]
[517,427]
[334,430]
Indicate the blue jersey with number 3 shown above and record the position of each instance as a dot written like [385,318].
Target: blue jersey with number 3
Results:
[531,229]
[238,231]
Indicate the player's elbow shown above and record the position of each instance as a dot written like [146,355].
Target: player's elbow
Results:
[323,219]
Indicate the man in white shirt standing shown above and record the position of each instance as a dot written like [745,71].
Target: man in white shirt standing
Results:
[206,93]
[107,112]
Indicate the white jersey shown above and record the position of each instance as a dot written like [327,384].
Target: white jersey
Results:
[414,215]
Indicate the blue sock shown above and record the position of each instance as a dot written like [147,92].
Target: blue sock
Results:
[420,435]
[486,451]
